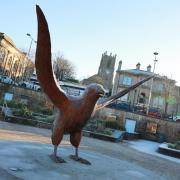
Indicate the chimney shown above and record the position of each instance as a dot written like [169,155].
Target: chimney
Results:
[138,66]
[119,66]
[149,68]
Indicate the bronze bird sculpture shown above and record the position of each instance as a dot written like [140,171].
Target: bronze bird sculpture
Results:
[73,113]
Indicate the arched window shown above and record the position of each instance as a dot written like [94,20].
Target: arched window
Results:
[20,69]
[142,98]
[2,54]
[8,66]
[10,62]
[15,67]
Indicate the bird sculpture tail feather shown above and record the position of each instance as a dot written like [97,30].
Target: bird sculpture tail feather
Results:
[43,63]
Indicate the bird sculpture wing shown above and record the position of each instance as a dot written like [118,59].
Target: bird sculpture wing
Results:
[120,94]
[43,63]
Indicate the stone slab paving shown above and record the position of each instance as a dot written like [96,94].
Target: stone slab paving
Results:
[24,154]
[28,160]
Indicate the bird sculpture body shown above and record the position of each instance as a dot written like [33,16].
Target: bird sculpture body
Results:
[73,112]
[73,118]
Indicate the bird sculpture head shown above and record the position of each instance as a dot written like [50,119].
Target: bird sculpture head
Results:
[96,90]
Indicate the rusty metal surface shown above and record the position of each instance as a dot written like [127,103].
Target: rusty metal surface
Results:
[44,65]
[73,113]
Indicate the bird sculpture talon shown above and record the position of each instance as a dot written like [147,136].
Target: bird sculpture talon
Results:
[57,159]
[79,159]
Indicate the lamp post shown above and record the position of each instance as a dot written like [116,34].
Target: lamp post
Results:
[152,80]
[28,54]
[32,40]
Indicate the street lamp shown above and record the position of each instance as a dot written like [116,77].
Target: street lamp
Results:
[28,54]
[32,40]
[152,80]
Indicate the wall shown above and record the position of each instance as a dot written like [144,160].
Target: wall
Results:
[169,129]
[28,96]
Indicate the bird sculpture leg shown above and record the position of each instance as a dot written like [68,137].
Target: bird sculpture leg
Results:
[75,139]
[56,158]
[57,136]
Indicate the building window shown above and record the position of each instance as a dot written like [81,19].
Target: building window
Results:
[158,101]
[124,98]
[127,80]
[161,101]
[160,87]
[142,98]
[2,55]
[147,83]
[15,67]
[121,79]
[10,61]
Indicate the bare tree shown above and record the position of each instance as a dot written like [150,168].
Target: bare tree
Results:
[31,54]
[63,68]
[29,69]
[168,92]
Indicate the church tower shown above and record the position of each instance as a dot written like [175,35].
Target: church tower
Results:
[106,69]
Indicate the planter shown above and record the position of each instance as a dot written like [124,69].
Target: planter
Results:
[115,137]
[164,149]
[26,121]
[131,136]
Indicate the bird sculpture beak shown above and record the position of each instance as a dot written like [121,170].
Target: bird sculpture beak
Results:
[102,94]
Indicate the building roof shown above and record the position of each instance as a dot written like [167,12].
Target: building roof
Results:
[10,41]
[144,73]
[73,85]
[7,38]
[138,72]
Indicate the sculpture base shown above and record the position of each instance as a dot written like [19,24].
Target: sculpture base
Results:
[79,159]
[57,159]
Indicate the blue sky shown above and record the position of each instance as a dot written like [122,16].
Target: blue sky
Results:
[82,30]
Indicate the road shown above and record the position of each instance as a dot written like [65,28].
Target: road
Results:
[109,160]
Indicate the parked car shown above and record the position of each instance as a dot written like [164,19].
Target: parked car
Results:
[37,86]
[30,85]
[175,117]
[140,108]
[26,84]
[121,105]
[154,112]
[6,79]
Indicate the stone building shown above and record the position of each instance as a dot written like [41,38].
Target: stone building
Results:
[105,73]
[13,62]
[165,93]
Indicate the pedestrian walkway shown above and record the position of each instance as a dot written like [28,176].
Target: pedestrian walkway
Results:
[28,160]
[25,151]
[149,147]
